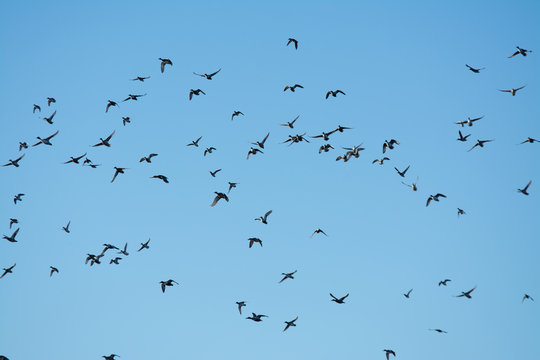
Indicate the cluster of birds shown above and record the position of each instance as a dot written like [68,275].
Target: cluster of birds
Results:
[257,148]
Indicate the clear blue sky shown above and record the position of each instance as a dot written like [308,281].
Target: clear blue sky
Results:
[402,66]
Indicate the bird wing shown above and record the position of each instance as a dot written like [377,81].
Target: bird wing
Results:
[428,201]
[266,137]
[519,88]
[216,199]
[110,136]
[51,136]
[526,187]
[214,73]
[328,94]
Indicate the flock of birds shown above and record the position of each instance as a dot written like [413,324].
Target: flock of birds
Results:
[257,148]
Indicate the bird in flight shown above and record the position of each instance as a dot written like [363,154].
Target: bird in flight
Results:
[461,137]
[196,92]
[213,173]
[525,297]
[126,120]
[402,173]
[209,150]
[8,270]
[36,107]
[255,317]
[325,148]
[473,69]
[75,160]
[294,41]
[287,276]
[50,118]
[231,186]
[318,231]
[290,323]
[124,250]
[53,270]
[208,76]
[117,171]
[109,104]
[380,161]
[291,124]
[334,93]
[254,240]
[469,122]
[14,162]
[165,62]
[115,261]
[144,245]
[388,353]
[292,88]
[434,198]
[133,97]
[460,212]
[148,158]
[264,218]
[23,145]
[66,228]
[161,177]
[13,221]
[47,140]
[195,143]
[529,140]
[480,143]
[253,151]
[105,142]
[444,282]
[50,100]
[389,144]
[18,197]
[408,294]
[169,282]
[524,190]
[236,113]
[340,300]
[439,331]
[12,237]
[325,135]
[513,91]
[219,196]
[261,143]
[240,305]
[110,357]
[466,294]
[520,51]
[141,78]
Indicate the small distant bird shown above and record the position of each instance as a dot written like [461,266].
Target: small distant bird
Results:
[524,190]
[141,78]
[165,62]
[23,145]
[253,151]
[14,162]
[115,261]
[109,104]
[261,143]
[50,100]
[240,305]
[75,160]
[117,171]
[520,51]
[325,135]
[110,357]
[17,197]
[145,245]
[236,113]
[340,300]
[47,140]
[461,137]
[529,140]
[460,212]
[213,173]
[219,196]
[108,247]
[290,323]
[264,218]
[195,143]
[408,294]
[318,231]
[13,221]
[513,91]
[124,250]
[126,120]
[148,158]
[443,282]
[93,259]
[231,186]
[196,92]
[325,148]
[434,198]
[293,87]
[294,41]
[208,76]
[161,177]
[473,69]
[389,144]
[93,166]
[525,297]
[480,143]
[133,97]
[12,237]
[255,317]
[380,161]
[341,128]
[254,240]
[388,353]
[402,173]
[439,331]
[66,228]
[209,150]
[334,93]
[53,270]
[466,294]
[287,276]
[105,142]
[36,107]
[49,119]
[291,124]
[8,270]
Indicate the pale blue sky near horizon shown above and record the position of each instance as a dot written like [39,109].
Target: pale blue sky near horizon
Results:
[402,67]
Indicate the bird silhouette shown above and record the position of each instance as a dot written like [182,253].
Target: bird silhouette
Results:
[434,198]
[148,158]
[208,76]
[236,113]
[466,294]
[402,173]
[294,41]
[219,196]
[253,240]
[480,143]
[524,190]
[334,93]
[75,160]
[338,300]
[66,228]
[290,124]
[47,140]
[165,62]
[473,69]
[196,92]
[513,91]
[240,305]
[290,323]
[520,51]
[264,218]
[408,294]
[287,276]
[105,142]
[144,245]
[255,317]
[8,270]
[14,162]
[50,118]
[444,282]
[53,270]
[12,237]
[118,170]
[109,104]
[292,88]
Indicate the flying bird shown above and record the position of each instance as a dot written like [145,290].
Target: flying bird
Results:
[325,135]
[460,212]
[50,100]
[196,92]
[14,162]
[256,318]
[209,150]
[50,118]
[47,140]
[520,51]
[525,297]
[480,143]
[439,331]
[110,357]
[208,76]
[23,145]
[389,144]
[144,245]
[253,240]
[13,221]
[105,142]
[466,294]
[126,120]
[117,171]
[293,87]
[340,300]
[133,97]
[36,107]
[75,160]
[124,250]
[236,113]
[141,78]
[287,276]
[213,173]
[325,148]
[318,231]
[473,69]
[402,173]
[461,137]
[8,270]
[231,186]
[529,140]
[294,41]
[264,218]
[219,196]
[408,294]
[253,151]
[165,62]
[334,93]
[240,305]
[388,353]
[434,198]
[109,104]
[12,237]
[524,190]
[17,197]
[161,177]
[261,143]
[443,282]
[290,323]
[115,261]
[53,270]
[148,158]
[66,228]
[380,161]
[291,124]
[513,91]
[195,143]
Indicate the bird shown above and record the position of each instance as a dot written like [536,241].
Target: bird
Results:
[444,282]
[287,276]
[75,160]
[408,294]
[195,143]
[66,228]
[434,198]
[318,231]
[466,294]
[520,51]
[255,317]
[110,357]
[296,139]
[117,171]
[115,261]
[524,190]
[23,145]
[525,297]
[213,173]
[53,270]
[161,177]
[18,197]
[12,237]
[133,97]
[290,323]
[8,270]
[469,121]
[461,137]
[231,186]
[291,124]
[219,195]
[261,143]
[253,240]
[126,120]
[340,300]
[208,76]
[341,128]
[473,69]
[529,140]
[47,140]
[240,305]
[209,150]
[141,78]
[460,212]
[148,158]
[49,119]
[253,151]
[109,104]
[144,245]
[439,331]
[93,166]
[14,162]
[236,113]
[50,100]
[380,161]
[294,41]
[389,144]
[93,259]
[293,87]
[334,93]
[388,353]
[513,91]
[36,107]
[196,92]
[165,62]
[325,148]
[124,250]
[108,247]
[105,142]
[13,221]
[402,173]
[325,135]
[264,218]
[480,143]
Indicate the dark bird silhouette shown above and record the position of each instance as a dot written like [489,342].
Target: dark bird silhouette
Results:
[18,197]
[108,247]
[144,245]
[240,305]
[195,143]
[513,91]
[14,162]
[340,300]
[287,276]
[264,218]
[66,228]
[461,137]
[13,221]
[460,212]
[126,120]
[50,118]
[520,51]
[529,140]
[439,331]
[53,270]
[110,357]
[161,177]
[380,161]
[93,166]
[389,144]
[209,150]
[253,240]
[388,353]
[261,143]
[334,93]
[50,101]
[325,148]
[341,128]
[444,282]
[148,158]
[124,250]
[255,317]
[290,323]
[117,171]
[253,151]
[133,97]
[213,173]
[296,139]
[236,113]
[196,92]
[93,259]
[293,87]
[402,173]
[325,135]
[36,107]
[480,143]
[8,270]
[141,78]
[208,76]
[105,142]
[23,145]
[473,69]
[525,297]
[434,198]
[12,237]
[75,160]
[109,104]
[291,124]
[294,41]
[219,196]
[408,294]
[115,261]
[318,231]
[524,190]
[47,140]
[231,186]
[165,62]
[466,294]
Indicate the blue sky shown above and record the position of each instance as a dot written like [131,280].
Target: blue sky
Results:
[402,67]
